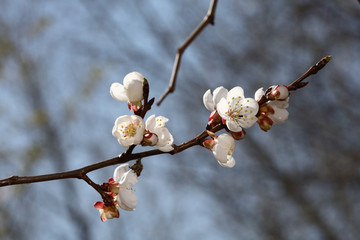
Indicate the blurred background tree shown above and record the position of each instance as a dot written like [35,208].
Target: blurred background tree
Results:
[298,181]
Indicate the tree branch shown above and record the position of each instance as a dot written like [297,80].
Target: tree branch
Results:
[298,83]
[123,158]
[312,70]
[209,18]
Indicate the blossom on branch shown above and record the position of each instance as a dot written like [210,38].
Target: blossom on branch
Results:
[107,212]
[129,130]
[237,111]
[126,178]
[131,90]
[273,111]
[157,134]
[222,147]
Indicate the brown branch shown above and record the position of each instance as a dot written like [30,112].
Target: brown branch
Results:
[312,70]
[123,158]
[208,19]
[298,83]
[128,155]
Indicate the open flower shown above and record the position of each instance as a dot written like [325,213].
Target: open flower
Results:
[107,212]
[127,178]
[157,134]
[129,130]
[238,112]
[131,90]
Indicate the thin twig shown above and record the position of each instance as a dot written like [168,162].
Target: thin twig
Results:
[312,70]
[208,19]
[298,83]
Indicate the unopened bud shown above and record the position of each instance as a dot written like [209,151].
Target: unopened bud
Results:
[209,144]
[266,109]
[214,119]
[265,123]
[150,139]
[238,135]
[279,92]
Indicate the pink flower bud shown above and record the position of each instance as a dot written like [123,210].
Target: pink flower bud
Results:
[107,212]
[265,123]
[150,139]
[279,92]
[214,119]
[209,144]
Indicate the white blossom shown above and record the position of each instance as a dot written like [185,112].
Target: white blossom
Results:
[238,111]
[127,178]
[162,137]
[131,90]
[129,130]
[223,150]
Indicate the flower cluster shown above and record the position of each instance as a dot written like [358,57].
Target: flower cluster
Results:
[236,113]
[273,111]
[133,130]
[120,192]
[230,109]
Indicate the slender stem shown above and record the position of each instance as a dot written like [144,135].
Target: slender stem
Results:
[208,19]
[312,70]
[298,83]
[123,158]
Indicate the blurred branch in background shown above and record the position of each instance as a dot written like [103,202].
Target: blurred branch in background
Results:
[208,19]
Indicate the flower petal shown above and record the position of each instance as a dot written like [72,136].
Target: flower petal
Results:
[161,121]
[223,150]
[222,108]
[251,104]
[165,140]
[280,104]
[235,92]
[208,101]
[218,94]
[164,137]
[128,179]
[133,76]
[119,171]
[229,164]
[134,91]
[220,153]
[127,200]
[259,93]
[150,123]
[99,205]
[133,84]
[279,116]
[117,91]
[233,126]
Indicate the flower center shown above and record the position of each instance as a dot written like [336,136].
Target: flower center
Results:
[128,129]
